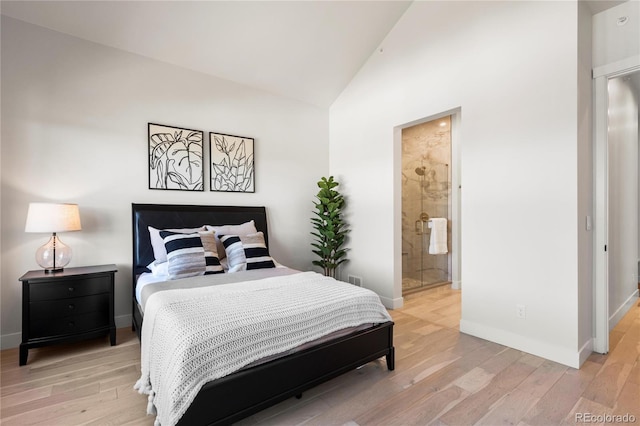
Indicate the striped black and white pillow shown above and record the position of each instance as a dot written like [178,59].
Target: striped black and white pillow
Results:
[192,254]
[247,252]
[211,257]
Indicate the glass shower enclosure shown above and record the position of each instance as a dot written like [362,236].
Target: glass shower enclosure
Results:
[426,190]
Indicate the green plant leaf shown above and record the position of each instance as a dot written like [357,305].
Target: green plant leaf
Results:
[330,228]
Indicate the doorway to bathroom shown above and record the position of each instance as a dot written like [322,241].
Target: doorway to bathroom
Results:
[426,205]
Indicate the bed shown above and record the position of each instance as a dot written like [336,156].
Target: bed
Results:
[260,384]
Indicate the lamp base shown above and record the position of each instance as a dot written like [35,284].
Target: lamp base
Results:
[54,255]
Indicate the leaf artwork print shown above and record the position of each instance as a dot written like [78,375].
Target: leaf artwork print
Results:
[232,168]
[175,158]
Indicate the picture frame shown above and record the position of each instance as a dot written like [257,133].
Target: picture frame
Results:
[175,158]
[232,163]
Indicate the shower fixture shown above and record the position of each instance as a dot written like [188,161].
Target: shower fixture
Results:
[424,218]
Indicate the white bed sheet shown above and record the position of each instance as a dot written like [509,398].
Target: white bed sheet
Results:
[145,279]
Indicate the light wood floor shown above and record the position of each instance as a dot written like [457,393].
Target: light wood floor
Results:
[442,377]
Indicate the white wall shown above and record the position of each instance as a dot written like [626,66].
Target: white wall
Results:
[585,182]
[74,129]
[517,91]
[623,197]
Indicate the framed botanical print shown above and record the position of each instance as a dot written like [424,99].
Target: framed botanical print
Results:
[175,158]
[232,163]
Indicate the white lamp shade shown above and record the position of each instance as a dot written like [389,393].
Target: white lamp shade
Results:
[49,217]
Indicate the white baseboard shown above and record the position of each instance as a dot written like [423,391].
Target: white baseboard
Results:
[586,350]
[123,321]
[8,341]
[13,340]
[456,285]
[392,303]
[545,350]
[622,310]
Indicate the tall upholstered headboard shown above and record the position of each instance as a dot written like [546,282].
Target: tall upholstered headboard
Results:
[163,216]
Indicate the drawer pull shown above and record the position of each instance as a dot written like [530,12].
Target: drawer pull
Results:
[71,324]
[72,306]
[71,289]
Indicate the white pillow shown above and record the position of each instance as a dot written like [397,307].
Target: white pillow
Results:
[242,229]
[159,269]
[157,243]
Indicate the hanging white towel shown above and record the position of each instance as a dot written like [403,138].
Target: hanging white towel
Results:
[438,240]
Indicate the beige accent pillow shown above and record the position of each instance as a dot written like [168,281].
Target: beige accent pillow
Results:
[242,229]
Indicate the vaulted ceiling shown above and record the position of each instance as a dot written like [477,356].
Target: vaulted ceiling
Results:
[306,50]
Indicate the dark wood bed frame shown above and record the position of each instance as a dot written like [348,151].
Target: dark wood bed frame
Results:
[248,391]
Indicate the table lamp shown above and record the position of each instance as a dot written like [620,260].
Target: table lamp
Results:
[50,217]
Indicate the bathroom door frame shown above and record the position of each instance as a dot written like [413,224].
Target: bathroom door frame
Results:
[456,266]
[601,77]
[456,188]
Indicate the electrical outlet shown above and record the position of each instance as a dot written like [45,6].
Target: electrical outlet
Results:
[521,311]
[357,281]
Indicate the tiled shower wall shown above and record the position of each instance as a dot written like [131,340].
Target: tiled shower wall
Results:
[426,187]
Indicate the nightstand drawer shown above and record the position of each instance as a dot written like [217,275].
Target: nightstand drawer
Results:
[66,306]
[50,309]
[70,288]
[68,325]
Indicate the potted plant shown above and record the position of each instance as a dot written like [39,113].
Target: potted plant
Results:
[330,229]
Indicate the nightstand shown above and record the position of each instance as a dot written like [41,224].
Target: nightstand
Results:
[66,306]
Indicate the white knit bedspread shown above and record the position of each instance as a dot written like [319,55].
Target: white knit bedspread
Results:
[191,337]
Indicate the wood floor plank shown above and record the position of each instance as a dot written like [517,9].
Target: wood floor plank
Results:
[543,378]
[442,377]
[332,393]
[628,401]
[615,336]
[419,390]
[123,409]
[64,377]
[509,373]
[555,405]
[306,412]
[512,408]
[607,385]
[634,376]
[509,410]
[355,403]
[124,377]
[628,348]
[46,409]
[96,377]
[585,407]
[25,397]
[426,410]
[597,358]
[76,364]
[408,356]
[626,322]
[475,380]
